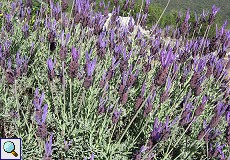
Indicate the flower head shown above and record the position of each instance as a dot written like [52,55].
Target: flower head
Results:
[91,67]
[38,99]
[75,54]
[48,147]
[215,10]
[187,17]
[51,64]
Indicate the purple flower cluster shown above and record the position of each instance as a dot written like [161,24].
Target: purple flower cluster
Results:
[89,69]
[63,51]
[20,69]
[51,72]
[73,66]
[40,114]
[160,132]
[48,148]
[116,115]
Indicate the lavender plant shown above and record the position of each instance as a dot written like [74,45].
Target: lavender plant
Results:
[112,92]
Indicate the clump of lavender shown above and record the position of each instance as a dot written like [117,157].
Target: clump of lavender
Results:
[126,75]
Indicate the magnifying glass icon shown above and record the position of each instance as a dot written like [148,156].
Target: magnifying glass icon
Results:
[9,147]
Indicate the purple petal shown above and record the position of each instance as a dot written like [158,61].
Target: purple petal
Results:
[168,84]
[204,99]
[187,15]
[228,117]
[45,111]
[38,120]
[67,38]
[143,89]
[92,156]
[215,9]
[8,17]
[143,149]
[41,99]
[9,63]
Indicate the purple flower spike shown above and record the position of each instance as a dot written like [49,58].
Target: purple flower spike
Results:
[143,89]
[13,6]
[18,60]
[166,57]
[8,17]
[155,134]
[220,108]
[25,27]
[114,64]
[67,145]
[92,156]
[213,14]
[124,78]
[88,55]
[48,147]
[51,64]
[66,38]
[169,84]
[116,115]
[215,10]
[75,54]
[196,17]
[38,100]
[91,67]
[112,35]
[143,149]
[187,17]
[204,99]
[228,117]
[9,63]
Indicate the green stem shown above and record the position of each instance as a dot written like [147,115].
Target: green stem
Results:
[204,38]
[16,96]
[114,127]
[179,139]
[134,117]
[161,15]
[141,130]
[77,99]
[63,85]
[70,98]
[142,3]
